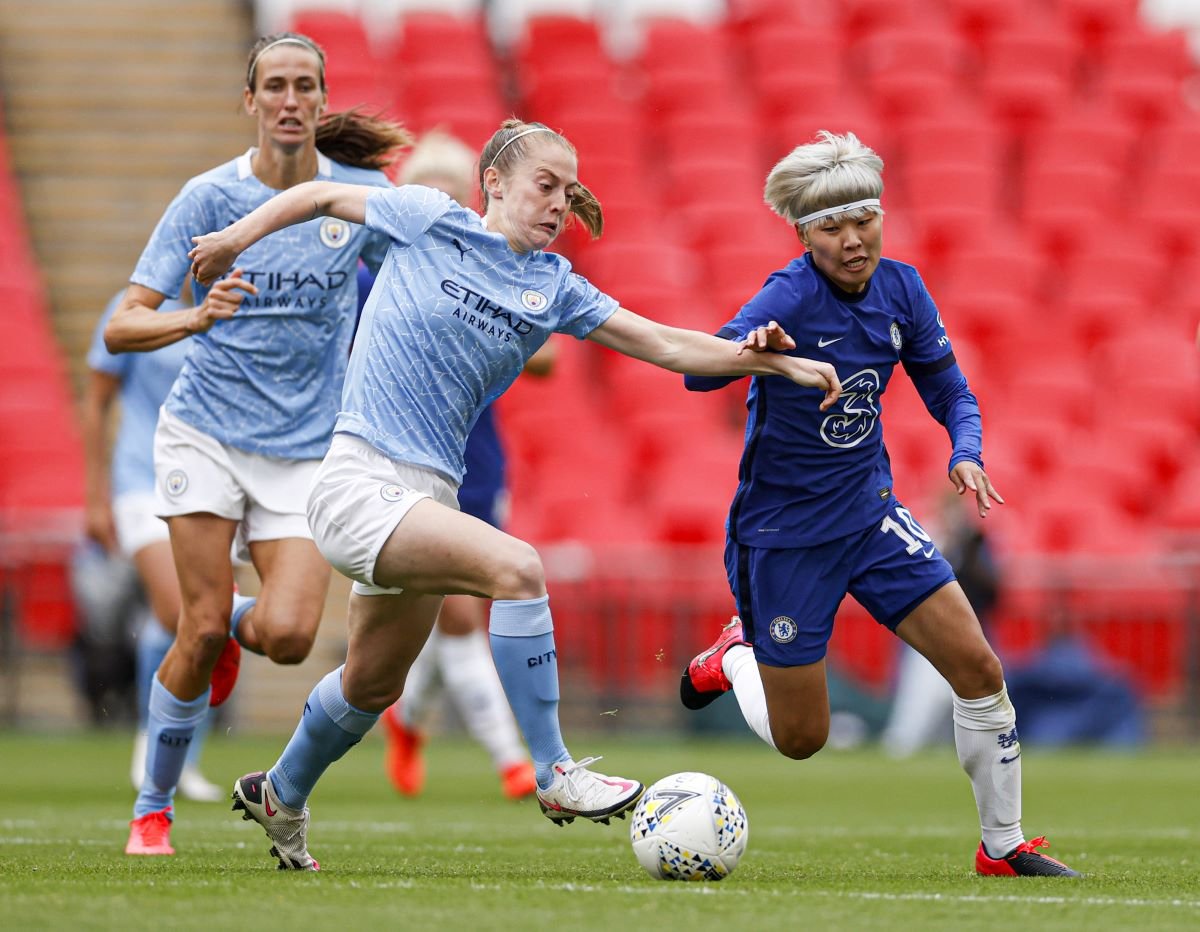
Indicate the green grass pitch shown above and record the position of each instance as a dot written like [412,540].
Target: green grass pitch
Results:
[848,840]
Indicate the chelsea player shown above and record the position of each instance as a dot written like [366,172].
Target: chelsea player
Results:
[460,305]
[814,516]
[251,414]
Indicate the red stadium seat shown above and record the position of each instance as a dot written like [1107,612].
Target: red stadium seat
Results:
[341,34]
[548,40]
[956,135]
[906,68]
[1091,134]
[1096,22]
[431,36]
[1028,74]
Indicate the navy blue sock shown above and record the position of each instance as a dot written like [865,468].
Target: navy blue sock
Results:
[329,727]
[522,638]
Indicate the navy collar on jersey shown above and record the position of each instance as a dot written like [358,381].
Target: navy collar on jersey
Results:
[838,292]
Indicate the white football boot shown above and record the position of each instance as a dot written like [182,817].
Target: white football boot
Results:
[578,792]
[254,796]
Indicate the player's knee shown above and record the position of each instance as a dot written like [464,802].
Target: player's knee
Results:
[288,647]
[521,575]
[203,644]
[980,675]
[800,743]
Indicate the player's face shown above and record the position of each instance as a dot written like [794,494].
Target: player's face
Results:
[531,205]
[847,251]
[287,99]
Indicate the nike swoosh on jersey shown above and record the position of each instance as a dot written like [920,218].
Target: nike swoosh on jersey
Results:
[823,342]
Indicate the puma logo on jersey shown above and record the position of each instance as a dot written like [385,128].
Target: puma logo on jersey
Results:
[462,250]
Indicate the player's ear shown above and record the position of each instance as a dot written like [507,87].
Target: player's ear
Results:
[491,183]
[248,101]
[800,235]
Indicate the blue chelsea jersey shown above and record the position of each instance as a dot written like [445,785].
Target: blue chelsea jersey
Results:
[146,380]
[808,476]
[452,319]
[268,379]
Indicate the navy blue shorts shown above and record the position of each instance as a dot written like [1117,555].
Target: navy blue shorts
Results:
[787,599]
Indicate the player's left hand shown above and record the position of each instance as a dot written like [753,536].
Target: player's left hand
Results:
[968,475]
[212,256]
[770,337]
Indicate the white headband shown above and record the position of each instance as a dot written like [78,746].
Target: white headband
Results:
[830,211]
[286,39]
[524,132]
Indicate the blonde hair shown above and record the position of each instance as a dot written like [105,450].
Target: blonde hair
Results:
[505,150]
[438,156]
[829,171]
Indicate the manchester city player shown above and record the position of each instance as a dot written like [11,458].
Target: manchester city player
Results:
[815,517]
[460,305]
[251,414]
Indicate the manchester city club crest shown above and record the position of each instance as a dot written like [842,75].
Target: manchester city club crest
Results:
[334,233]
[533,300]
[783,630]
[391,493]
[177,482]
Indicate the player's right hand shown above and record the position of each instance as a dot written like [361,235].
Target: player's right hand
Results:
[99,525]
[221,303]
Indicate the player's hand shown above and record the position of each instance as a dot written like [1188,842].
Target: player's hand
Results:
[212,256]
[813,374]
[967,475]
[99,525]
[770,337]
[221,303]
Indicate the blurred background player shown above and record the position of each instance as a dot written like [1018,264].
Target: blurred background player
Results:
[460,305]
[815,516]
[120,512]
[457,655]
[252,411]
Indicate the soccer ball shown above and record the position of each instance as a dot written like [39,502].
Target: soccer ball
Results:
[689,826]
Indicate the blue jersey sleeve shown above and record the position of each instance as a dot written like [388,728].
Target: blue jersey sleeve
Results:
[584,307]
[99,359]
[929,361]
[404,213]
[164,264]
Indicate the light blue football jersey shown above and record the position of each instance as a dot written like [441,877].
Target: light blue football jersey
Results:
[267,380]
[146,379]
[452,319]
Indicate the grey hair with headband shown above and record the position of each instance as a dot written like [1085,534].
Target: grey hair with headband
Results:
[266,43]
[833,176]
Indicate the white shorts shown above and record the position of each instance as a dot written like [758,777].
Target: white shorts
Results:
[137,524]
[195,473]
[358,497]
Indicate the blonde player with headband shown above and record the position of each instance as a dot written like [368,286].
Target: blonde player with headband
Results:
[815,516]
[252,412]
[461,304]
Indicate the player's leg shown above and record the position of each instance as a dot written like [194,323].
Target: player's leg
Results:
[179,693]
[779,682]
[295,581]
[464,660]
[437,549]
[945,630]
[386,634]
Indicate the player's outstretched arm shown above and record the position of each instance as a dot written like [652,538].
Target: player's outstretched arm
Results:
[695,353]
[214,253]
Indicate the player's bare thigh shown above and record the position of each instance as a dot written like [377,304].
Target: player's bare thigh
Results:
[386,634]
[945,629]
[435,549]
[798,707]
[156,570]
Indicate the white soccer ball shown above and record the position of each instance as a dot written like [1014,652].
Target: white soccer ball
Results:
[689,826]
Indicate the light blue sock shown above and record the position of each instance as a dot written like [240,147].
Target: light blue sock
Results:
[170,727]
[153,642]
[241,605]
[522,638]
[329,727]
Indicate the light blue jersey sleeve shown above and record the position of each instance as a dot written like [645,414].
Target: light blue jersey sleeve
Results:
[146,380]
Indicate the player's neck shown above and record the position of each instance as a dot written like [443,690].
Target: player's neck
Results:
[280,169]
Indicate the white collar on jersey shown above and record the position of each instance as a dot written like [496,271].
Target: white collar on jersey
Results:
[245,169]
